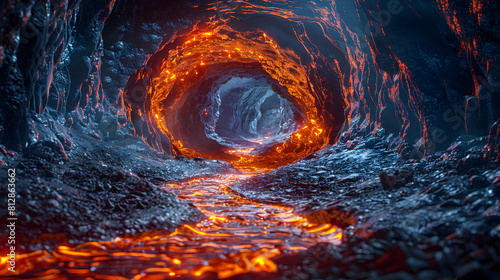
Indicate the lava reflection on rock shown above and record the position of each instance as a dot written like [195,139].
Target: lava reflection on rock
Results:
[238,236]
[194,101]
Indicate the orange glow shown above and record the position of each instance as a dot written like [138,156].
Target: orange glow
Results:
[187,64]
[223,219]
[239,236]
[338,236]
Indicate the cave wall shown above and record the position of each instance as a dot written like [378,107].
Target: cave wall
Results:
[51,59]
[54,53]
[424,70]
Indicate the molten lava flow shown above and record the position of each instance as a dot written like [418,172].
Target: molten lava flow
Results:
[238,236]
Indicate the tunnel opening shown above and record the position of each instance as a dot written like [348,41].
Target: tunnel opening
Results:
[245,112]
[237,95]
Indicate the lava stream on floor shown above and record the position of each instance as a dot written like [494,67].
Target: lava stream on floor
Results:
[238,236]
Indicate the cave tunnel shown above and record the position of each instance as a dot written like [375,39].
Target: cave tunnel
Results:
[246,139]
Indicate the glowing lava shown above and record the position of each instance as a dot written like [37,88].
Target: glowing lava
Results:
[171,100]
[238,236]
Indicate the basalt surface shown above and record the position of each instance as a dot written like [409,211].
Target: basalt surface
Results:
[435,218]
[98,191]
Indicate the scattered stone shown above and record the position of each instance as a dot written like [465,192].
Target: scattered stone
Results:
[396,178]
[473,160]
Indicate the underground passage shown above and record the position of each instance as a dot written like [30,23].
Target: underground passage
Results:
[243,139]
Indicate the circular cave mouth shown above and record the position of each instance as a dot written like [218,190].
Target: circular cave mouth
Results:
[236,95]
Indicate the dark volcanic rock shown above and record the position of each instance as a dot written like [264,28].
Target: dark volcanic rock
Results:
[395,178]
[77,202]
[329,176]
[100,191]
[433,222]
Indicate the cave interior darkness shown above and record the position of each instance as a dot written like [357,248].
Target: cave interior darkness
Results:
[241,139]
